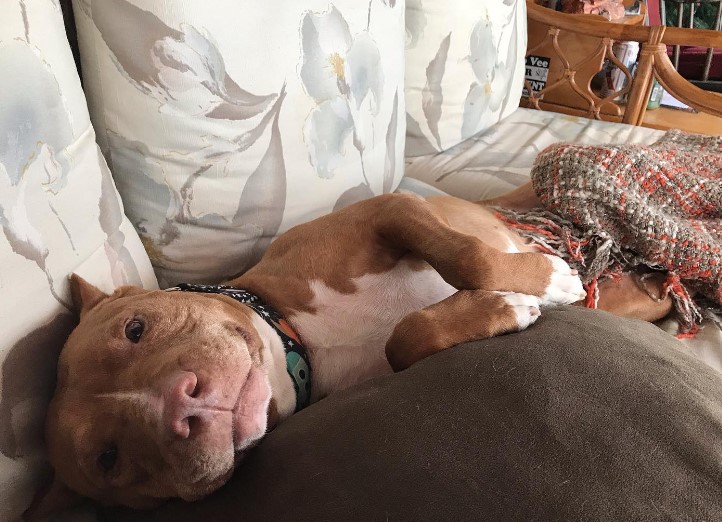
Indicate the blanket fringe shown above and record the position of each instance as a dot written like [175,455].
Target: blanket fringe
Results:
[597,257]
[688,313]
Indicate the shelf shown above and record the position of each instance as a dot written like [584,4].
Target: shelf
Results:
[697,122]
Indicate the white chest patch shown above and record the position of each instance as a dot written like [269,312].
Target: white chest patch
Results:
[347,334]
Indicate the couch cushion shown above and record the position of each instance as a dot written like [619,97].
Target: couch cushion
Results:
[226,123]
[59,213]
[464,68]
[500,159]
[584,416]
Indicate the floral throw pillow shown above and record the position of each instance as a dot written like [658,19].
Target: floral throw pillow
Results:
[227,122]
[59,213]
[464,69]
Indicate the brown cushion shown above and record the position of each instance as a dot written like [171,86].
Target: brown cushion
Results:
[582,416]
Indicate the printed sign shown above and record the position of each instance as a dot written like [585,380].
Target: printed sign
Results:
[537,72]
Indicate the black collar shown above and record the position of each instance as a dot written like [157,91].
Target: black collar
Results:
[297,363]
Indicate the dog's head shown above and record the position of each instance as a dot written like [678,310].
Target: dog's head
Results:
[158,395]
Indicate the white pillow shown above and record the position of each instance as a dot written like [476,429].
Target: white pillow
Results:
[59,213]
[464,69]
[227,122]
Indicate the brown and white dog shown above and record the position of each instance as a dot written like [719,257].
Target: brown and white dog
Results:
[159,393]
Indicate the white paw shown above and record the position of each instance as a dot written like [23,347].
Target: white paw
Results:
[526,307]
[565,286]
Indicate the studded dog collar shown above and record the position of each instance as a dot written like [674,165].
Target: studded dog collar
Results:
[297,363]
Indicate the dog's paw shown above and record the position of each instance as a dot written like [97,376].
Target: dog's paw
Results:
[525,308]
[565,287]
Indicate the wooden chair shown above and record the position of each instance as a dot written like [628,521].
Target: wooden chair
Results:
[577,47]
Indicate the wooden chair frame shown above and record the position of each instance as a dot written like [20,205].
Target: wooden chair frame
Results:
[653,63]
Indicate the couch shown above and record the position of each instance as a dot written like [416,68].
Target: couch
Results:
[214,130]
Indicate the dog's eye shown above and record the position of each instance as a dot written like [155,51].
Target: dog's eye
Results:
[108,458]
[133,330]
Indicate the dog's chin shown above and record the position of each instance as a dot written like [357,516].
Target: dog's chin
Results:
[250,417]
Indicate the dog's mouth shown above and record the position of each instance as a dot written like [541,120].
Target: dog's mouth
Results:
[250,413]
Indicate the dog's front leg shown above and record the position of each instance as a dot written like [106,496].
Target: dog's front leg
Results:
[412,224]
[499,292]
[467,315]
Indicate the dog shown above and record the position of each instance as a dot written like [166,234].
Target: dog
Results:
[161,393]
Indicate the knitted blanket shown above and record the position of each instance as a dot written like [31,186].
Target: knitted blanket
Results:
[611,209]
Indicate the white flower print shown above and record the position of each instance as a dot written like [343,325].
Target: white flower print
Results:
[492,50]
[182,68]
[343,75]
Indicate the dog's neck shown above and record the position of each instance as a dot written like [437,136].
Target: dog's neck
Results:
[283,356]
[283,393]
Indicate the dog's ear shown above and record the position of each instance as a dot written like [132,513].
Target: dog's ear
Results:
[50,500]
[85,295]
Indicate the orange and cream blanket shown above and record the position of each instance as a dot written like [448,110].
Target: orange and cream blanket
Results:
[611,209]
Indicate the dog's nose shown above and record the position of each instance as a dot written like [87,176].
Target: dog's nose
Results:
[182,404]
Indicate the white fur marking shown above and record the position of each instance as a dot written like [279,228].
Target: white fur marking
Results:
[140,398]
[565,286]
[512,248]
[347,334]
[526,308]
